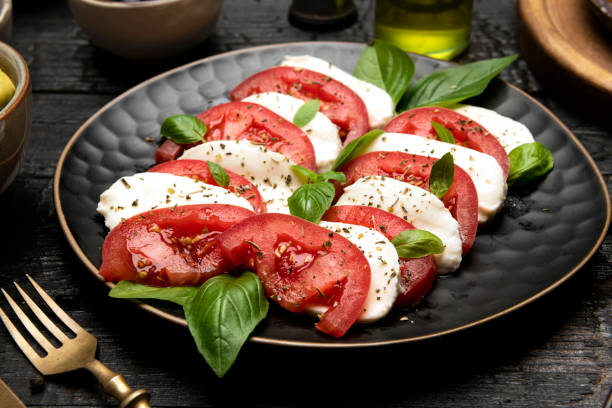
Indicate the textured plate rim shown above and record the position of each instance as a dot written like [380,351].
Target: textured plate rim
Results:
[167,316]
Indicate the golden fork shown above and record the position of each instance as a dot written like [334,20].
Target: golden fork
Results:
[74,353]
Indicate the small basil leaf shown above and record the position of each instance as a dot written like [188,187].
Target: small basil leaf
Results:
[183,129]
[130,290]
[452,85]
[529,162]
[306,113]
[442,175]
[332,175]
[305,173]
[310,201]
[386,66]
[222,314]
[351,149]
[444,134]
[219,174]
[415,243]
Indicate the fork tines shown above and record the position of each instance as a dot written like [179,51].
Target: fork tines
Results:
[72,354]
[32,355]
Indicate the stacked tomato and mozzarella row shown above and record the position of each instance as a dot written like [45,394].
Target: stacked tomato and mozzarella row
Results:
[176,225]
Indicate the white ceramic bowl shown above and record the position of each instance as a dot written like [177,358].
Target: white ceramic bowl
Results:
[147,30]
[15,116]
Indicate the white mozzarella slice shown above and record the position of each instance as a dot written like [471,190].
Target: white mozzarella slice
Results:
[378,102]
[269,171]
[417,206]
[485,171]
[384,266]
[323,134]
[132,195]
[508,132]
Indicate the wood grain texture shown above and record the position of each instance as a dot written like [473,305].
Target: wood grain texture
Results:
[570,52]
[555,352]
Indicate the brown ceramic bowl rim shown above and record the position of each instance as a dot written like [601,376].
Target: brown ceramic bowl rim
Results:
[121,5]
[23,80]
[5,9]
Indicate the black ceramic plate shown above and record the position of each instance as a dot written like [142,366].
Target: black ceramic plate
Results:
[542,236]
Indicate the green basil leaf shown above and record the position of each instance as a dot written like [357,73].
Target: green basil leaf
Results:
[453,85]
[305,173]
[222,314]
[306,113]
[415,243]
[183,129]
[218,173]
[444,134]
[310,201]
[442,175]
[352,149]
[386,66]
[332,175]
[529,162]
[130,290]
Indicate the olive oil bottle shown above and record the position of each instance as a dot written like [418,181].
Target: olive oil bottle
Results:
[438,28]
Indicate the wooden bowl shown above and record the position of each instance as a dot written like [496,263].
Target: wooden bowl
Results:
[147,30]
[569,52]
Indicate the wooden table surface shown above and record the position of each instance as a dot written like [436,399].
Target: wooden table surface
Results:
[555,352]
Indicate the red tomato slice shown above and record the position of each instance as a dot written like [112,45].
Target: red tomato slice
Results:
[338,102]
[467,132]
[299,262]
[170,246]
[461,198]
[169,150]
[416,275]
[198,169]
[241,120]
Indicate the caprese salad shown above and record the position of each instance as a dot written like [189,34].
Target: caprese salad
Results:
[338,206]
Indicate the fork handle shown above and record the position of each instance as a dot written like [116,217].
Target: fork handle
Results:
[115,385]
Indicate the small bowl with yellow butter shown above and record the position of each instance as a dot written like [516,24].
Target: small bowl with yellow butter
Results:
[15,112]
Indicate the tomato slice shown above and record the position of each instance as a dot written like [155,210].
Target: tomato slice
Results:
[241,120]
[299,262]
[417,275]
[170,246]
[461,198]
[467,132]
[199,170]
[338,102]
[169,150]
